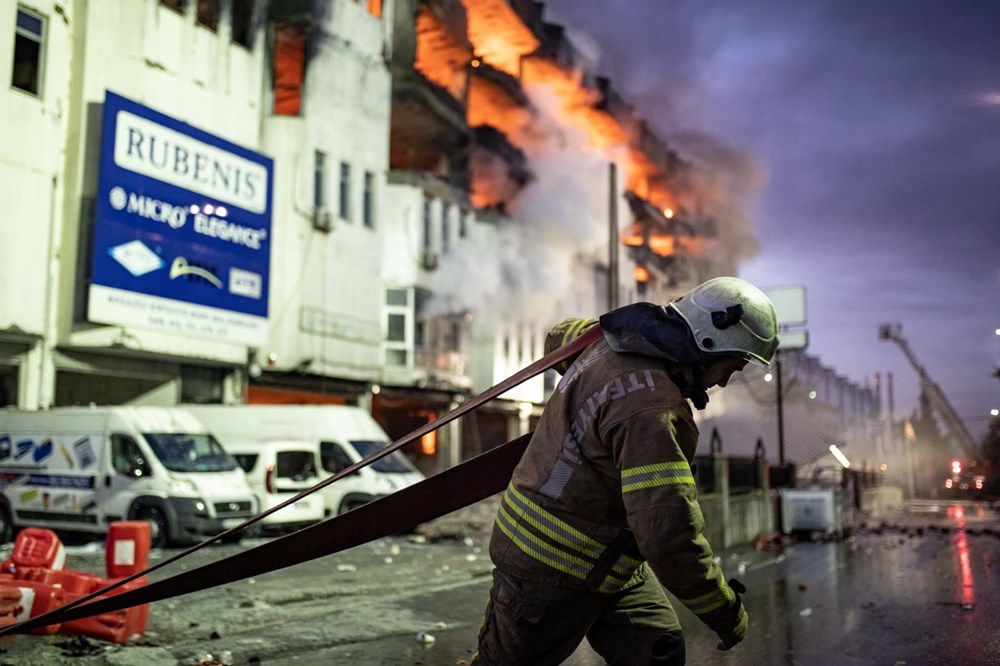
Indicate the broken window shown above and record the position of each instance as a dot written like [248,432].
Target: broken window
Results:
[368,202]
[28,39]
[242,18]
[289,67]
[208,14]
[345,191]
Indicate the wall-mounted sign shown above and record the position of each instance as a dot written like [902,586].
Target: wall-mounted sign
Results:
[790,307]
[182,235]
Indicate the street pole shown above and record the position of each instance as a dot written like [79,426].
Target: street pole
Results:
[613,240]
[781,415]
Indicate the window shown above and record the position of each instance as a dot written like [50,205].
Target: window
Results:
[397,344]
[427,226]
[397,357]
[319,179]
[28,39]
[289,68]
[375,7]
[395,328]
[345,191]
[295,465]
[368,202]
[445,227]
[242,17]
[333,458]
[246,461]
[208,14]
[463,224]
[174,4]
[127,458]
[396,297]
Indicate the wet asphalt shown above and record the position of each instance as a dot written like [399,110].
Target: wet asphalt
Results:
[917,586]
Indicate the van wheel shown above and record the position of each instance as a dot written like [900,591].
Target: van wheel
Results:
[6,524]
[159,531]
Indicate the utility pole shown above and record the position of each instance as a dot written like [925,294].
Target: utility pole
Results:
[613,240]
[781,415]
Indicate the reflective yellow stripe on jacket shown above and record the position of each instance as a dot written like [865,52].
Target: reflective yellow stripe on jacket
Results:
[557,543]
[707,603]
[659,474]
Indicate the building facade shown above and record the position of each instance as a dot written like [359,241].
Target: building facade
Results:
[384,203]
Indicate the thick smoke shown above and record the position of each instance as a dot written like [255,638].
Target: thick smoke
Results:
[720,187]
[530,266]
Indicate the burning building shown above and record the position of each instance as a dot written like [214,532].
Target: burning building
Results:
[443,182]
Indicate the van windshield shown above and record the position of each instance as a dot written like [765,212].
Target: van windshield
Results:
[394,463]
[184,452]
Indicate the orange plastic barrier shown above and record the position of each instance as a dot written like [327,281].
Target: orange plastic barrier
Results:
[23,599]
[33,581]
[127,550]
[116,626]
[35,547]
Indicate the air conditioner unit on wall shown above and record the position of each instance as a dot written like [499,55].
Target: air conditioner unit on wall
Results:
[429,260]
[322,220]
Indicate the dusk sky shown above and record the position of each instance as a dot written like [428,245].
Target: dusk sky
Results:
[875,127]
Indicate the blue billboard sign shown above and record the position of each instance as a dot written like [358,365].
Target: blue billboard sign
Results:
[182,235]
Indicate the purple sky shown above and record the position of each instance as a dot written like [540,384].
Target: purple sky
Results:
[877,125]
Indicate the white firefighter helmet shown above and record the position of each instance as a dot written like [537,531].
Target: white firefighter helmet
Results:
[728,315]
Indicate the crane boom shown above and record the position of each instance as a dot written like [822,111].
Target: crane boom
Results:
[957,432]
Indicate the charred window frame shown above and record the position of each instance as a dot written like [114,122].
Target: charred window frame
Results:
[345,191]
[288,73]
[29,49]
[241,17]
[208,14]
[368,201]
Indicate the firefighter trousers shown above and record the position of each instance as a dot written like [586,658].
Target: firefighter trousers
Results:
[536,624]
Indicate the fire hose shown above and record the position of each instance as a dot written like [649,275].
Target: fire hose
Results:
[458,487]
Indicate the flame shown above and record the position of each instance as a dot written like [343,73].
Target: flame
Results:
[662,245]
[502,44]
[634,235]
[499,35]
[641,274]
[440,56]
[428,443]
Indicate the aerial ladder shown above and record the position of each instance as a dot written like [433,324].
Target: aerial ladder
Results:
[957,434]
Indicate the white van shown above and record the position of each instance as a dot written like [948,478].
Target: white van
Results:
[278,470]
[340,435]
[82,468]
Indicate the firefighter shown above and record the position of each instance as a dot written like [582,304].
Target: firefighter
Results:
[602,507]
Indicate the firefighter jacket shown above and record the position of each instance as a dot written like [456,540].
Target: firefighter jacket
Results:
[606,483]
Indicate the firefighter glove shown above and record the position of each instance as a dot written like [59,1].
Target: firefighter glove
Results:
[730,638]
